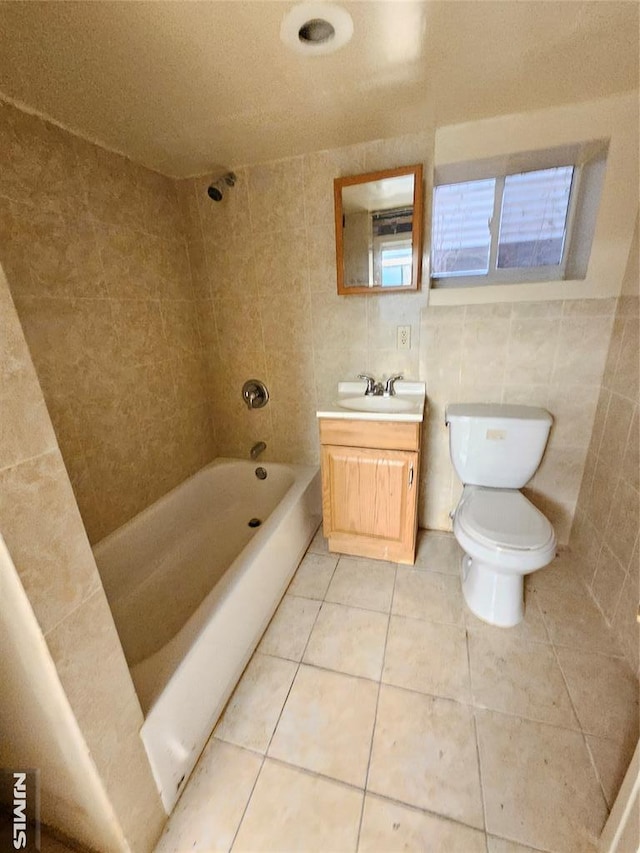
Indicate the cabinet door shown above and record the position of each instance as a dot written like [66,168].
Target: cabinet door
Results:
[370,501]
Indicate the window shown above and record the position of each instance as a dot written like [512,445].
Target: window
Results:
[518,226]
[395,262]
[392,255]
[533,220]
[461,236]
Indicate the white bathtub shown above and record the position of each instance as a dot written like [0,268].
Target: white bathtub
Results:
[192,587]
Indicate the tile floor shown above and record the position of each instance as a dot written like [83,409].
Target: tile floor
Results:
[378,714]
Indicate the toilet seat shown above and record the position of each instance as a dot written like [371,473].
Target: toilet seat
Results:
[503,519]
[504,537]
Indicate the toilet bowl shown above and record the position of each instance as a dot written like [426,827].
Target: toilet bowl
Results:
[504,538]
[495,450]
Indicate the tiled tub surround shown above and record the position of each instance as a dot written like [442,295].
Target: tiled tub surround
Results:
[46,539]
[606,528]
[142,350]
[263,262]
[93,250]
[381,715]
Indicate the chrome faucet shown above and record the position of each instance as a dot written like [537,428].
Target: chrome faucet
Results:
[258,448]
[371,384]
[389,388]
[377,389]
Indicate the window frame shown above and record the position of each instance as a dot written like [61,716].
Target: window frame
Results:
[513,275]
[604,133]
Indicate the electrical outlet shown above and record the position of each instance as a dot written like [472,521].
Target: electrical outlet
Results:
[404,337]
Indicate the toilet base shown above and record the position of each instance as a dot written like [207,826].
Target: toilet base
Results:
[493,596]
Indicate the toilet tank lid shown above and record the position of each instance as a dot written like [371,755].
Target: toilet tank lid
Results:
[496,411]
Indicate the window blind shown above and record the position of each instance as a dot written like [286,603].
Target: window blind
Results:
[530,232]
[461,234]
[534,218]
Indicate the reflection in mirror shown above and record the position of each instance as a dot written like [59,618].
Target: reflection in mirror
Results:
[379,231]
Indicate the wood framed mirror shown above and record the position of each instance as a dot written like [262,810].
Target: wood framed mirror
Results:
[378,218]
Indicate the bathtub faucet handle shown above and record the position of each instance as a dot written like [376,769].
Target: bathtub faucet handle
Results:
[258,448]
[255,394]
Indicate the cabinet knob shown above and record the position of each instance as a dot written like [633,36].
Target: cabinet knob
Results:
[410,476]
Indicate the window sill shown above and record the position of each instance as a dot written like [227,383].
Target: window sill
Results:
[540,291]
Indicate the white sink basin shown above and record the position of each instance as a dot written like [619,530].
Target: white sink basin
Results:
[351,403]
[376,404]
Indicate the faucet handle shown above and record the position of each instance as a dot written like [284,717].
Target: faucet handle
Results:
[371,383]
[389,387]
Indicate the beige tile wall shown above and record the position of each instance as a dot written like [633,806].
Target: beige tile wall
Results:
[607,521]
[549,354]
[43,530]
[111,318]
[264,272]
[263,262]
[96,260]
[93,249]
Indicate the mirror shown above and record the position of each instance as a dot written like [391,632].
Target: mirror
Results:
[379,231]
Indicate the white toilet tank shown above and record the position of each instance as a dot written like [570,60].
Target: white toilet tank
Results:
[495,445]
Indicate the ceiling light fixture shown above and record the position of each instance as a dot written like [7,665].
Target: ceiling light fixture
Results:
[316,29]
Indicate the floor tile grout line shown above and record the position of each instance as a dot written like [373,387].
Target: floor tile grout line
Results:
[472,703]
[314,773]
[592,759]
[475,709]
[375,715]
[588,651]
[575,646]
[525,719]
[394,800]
[295,675]
[426,570]
[246,807]
[339,603]
[461,624]
[332,779]
[264,759]
[266,752]
[575,711]
[472,629]
[431,621]
[515,841]
[477,738]
[424,811]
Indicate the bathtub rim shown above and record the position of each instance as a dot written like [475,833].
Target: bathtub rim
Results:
[166,660]
[215,463]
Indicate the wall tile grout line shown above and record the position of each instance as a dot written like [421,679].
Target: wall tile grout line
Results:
[97,591]
[24,460]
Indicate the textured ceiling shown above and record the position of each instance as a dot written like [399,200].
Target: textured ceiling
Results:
[187,87]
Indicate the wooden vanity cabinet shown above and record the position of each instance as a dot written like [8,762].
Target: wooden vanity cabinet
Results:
[370,475]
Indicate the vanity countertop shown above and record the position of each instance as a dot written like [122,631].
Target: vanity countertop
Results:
[407,405]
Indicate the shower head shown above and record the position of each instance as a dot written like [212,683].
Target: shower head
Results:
[216,189]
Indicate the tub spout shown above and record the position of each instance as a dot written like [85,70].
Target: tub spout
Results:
[258,448]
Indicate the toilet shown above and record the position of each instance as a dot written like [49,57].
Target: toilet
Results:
[495,450]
